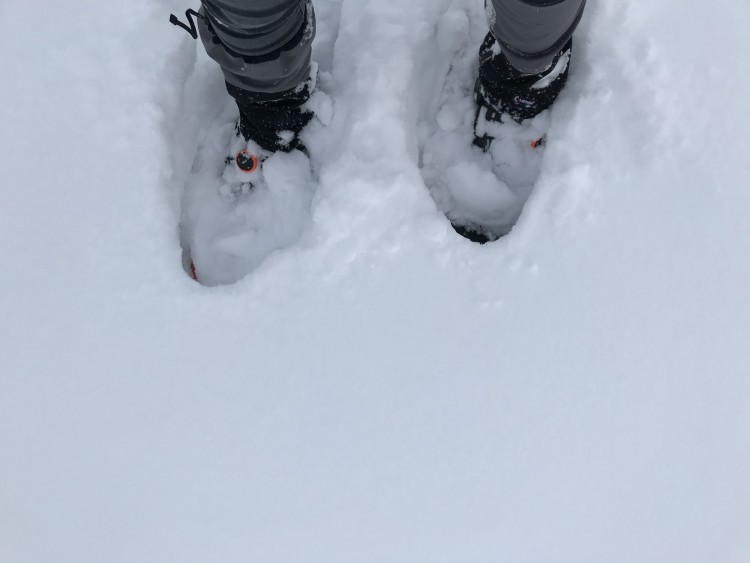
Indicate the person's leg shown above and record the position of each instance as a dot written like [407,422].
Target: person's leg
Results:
[532,32]
[264,49]
[523,62]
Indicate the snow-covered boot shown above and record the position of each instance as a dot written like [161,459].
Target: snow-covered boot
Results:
[264,50]
[503,93]
[264,191]
[251,185]
[268,124]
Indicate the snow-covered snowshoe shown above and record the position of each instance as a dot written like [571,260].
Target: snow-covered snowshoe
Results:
[511,125]
[262,196]
[483,154]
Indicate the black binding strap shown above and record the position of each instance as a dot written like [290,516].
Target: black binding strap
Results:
[191,29]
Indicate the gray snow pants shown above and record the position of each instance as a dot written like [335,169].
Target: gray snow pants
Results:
[265,45]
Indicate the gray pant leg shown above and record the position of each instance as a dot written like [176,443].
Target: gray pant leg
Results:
[261,45]
[532,32]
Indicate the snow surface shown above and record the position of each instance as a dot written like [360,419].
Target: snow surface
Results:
[382,390]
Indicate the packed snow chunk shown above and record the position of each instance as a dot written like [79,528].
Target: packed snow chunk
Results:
[479,196]
[453,31]
[448,118]
[517,148]
[322,106]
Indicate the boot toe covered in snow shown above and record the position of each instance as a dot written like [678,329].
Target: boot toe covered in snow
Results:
[260,204]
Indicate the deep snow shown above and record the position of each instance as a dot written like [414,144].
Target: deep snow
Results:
[381,390]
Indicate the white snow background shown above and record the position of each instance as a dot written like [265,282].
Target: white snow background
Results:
[383,390]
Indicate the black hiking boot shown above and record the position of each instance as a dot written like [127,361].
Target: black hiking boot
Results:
[504,93]
[274,121]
